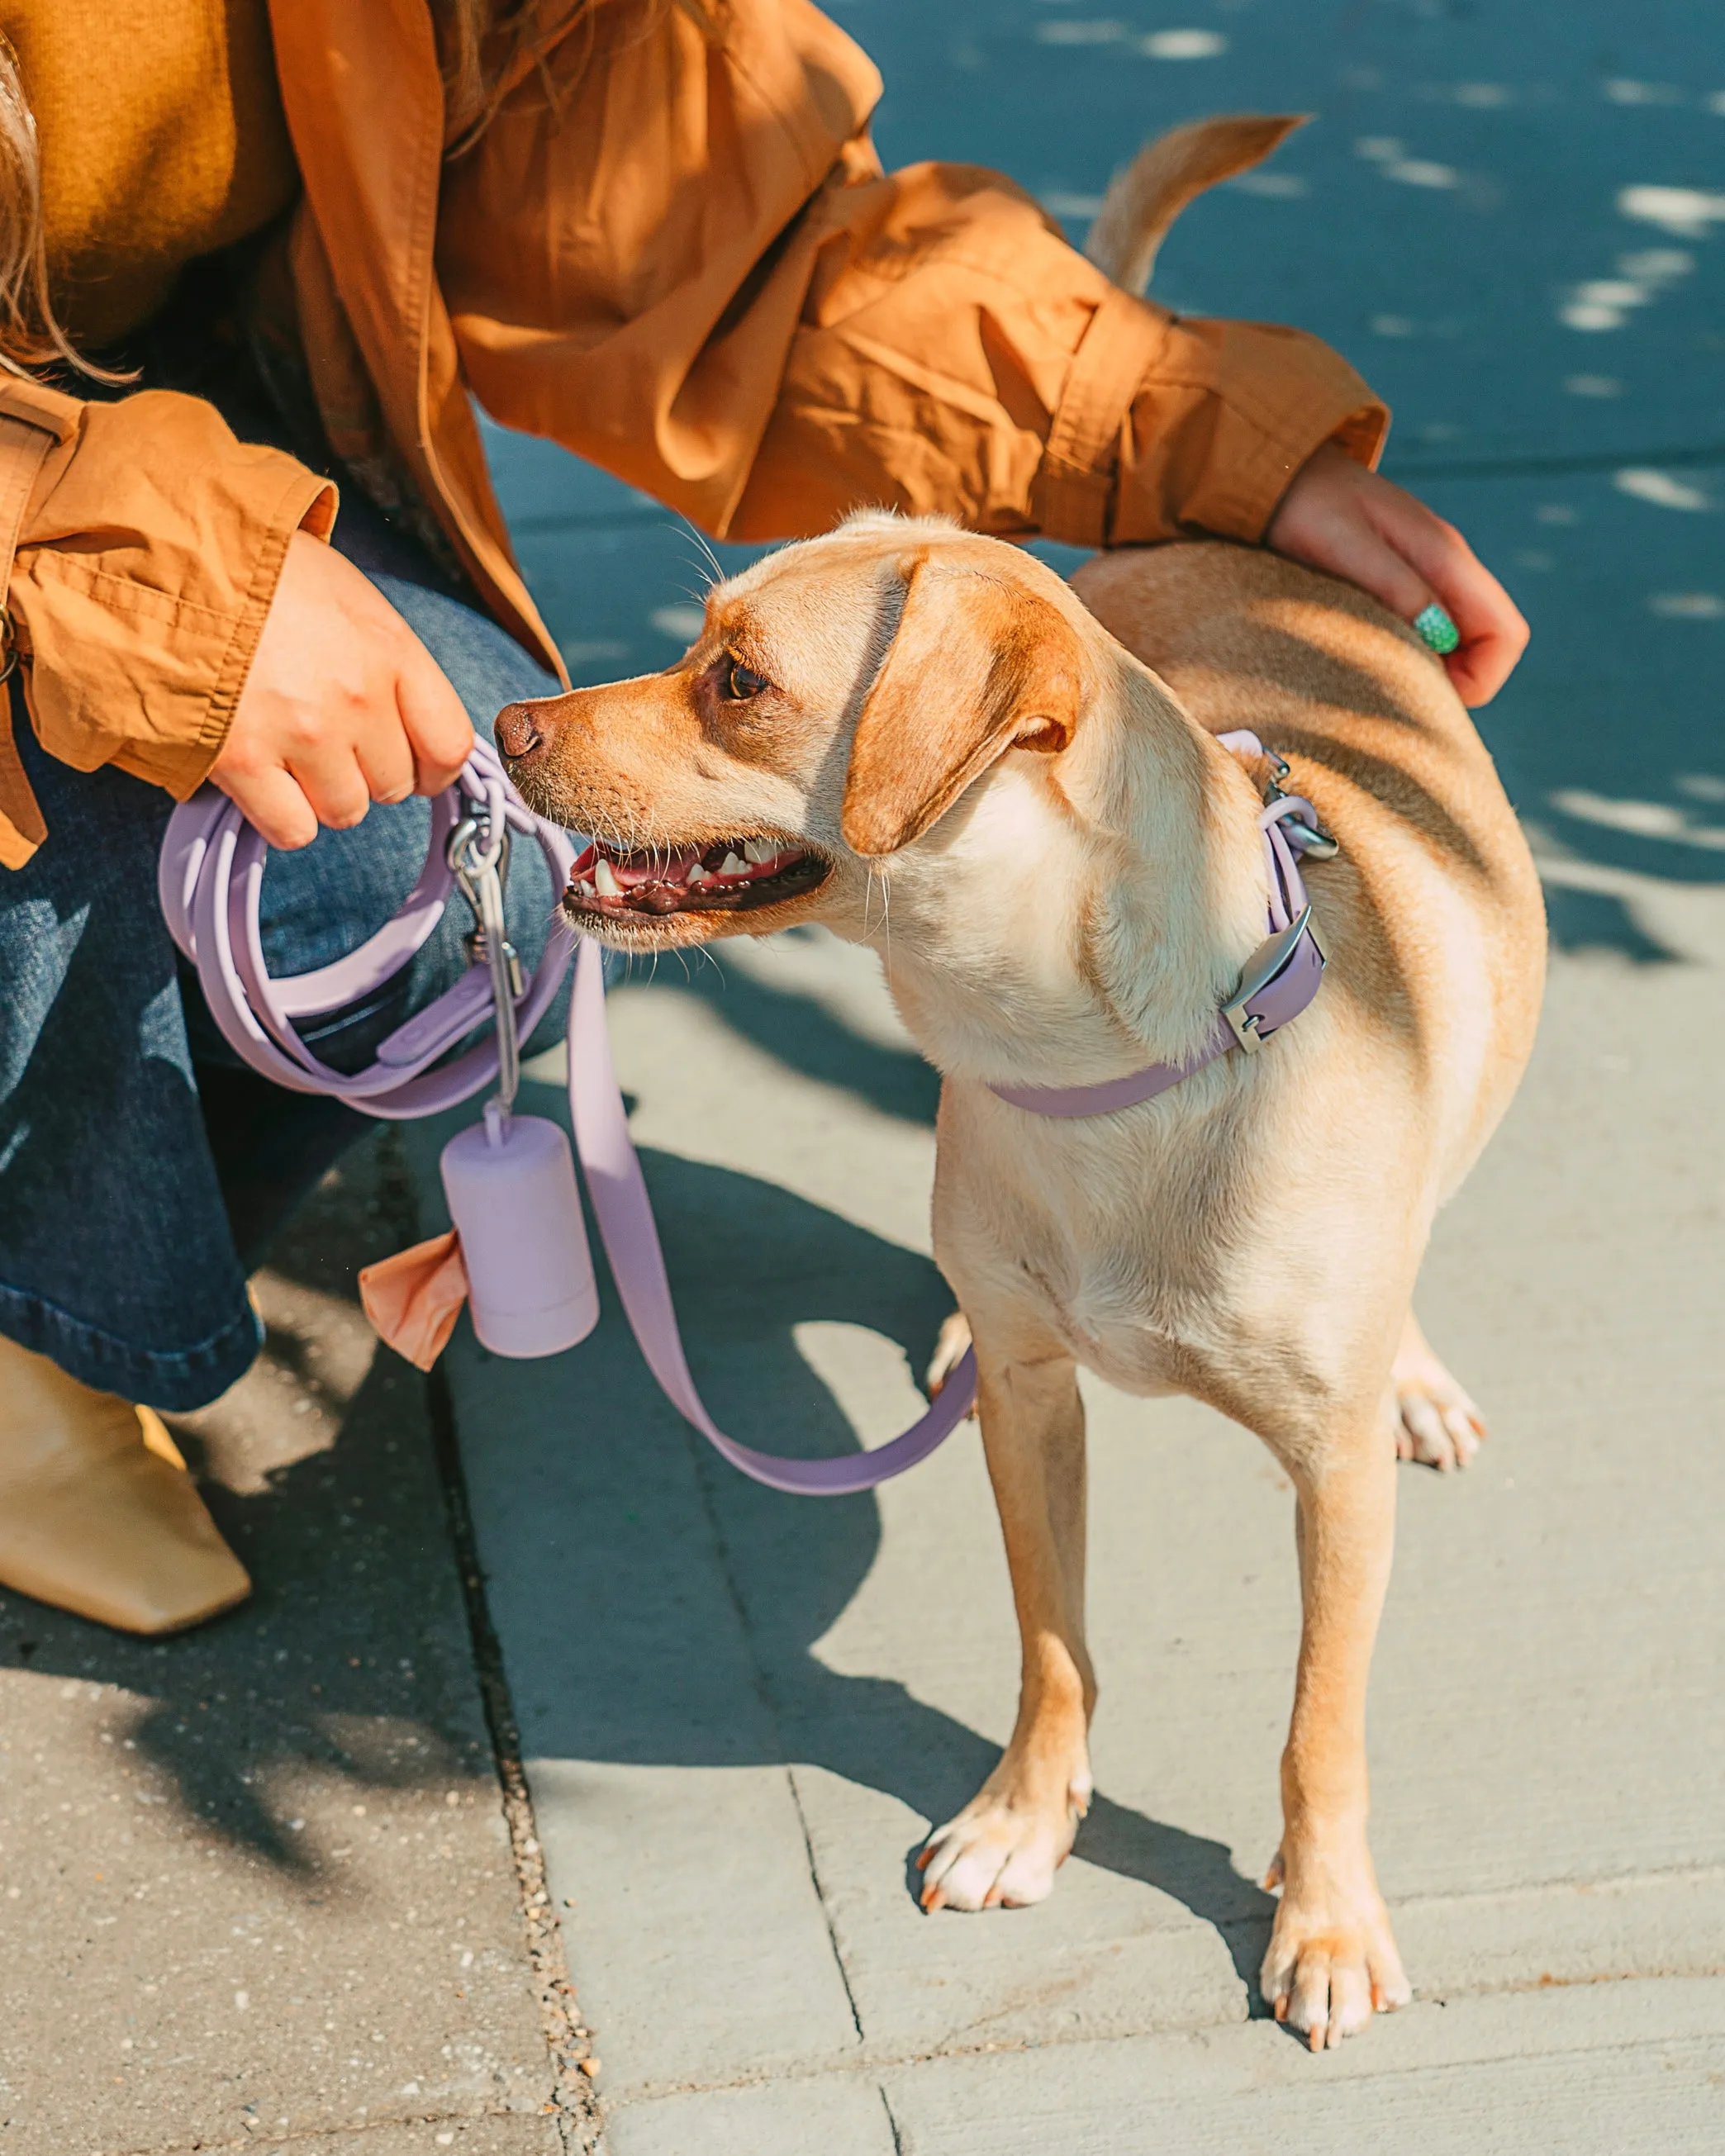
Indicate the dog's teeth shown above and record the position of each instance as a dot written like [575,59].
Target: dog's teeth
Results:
[583,889]
[731,866]
[604,882]
[759,851]
[697,874]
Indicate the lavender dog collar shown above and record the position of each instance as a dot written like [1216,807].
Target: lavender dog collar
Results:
[1281,977]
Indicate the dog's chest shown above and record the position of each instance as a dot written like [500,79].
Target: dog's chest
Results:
[1132,1326]
[1128,1263]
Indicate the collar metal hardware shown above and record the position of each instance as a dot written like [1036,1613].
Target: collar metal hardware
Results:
[1266,966]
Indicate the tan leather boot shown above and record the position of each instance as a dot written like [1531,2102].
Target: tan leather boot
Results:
[97,1513]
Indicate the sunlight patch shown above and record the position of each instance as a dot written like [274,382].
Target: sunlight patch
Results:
[1663,489]
[1689,213]
[1182,45]
[1689,606]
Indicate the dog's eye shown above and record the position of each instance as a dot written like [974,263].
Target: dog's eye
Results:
[741,682]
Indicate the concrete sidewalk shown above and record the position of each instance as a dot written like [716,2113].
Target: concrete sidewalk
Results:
[273,1885]
[741,1711]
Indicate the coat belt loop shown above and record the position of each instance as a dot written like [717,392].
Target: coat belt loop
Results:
[1078,466]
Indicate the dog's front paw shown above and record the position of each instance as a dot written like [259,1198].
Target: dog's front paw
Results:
[1436,1424]
[1004,1848]
[1332,1962]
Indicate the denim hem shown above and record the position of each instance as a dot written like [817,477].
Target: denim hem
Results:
[176,1382]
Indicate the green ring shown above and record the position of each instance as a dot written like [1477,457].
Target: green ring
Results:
[1435,629]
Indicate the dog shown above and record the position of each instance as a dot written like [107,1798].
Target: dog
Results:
[1012,788]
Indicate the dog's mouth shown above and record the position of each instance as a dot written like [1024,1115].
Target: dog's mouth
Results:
[734,876]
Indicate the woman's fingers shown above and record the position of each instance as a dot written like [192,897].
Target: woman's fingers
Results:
[274,803]
[1339,516]
[1356,548]
[436,731]
[333,781]
[1493,632]
[385,756]
[342,706]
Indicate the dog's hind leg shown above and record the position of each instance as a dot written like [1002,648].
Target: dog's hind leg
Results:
[1333,1960]
[1435,1422]
[1005,1847]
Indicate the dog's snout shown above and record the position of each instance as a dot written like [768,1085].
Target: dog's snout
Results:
[519,732]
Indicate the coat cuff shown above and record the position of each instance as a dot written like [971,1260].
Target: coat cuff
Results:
[1227,415]
[149,560]
[1168,427]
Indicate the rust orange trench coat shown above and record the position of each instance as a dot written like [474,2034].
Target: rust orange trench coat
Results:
[673,251]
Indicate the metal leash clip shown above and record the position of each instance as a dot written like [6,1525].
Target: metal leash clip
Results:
[480,866]
[1312,839]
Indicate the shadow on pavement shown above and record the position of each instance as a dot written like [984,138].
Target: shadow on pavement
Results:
[351,1668]
[808,1037]
[351,1665]
[657,1681]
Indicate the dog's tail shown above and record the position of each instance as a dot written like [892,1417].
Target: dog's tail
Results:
[1145,197]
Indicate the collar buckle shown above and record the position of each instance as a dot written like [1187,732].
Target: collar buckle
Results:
[1263,970]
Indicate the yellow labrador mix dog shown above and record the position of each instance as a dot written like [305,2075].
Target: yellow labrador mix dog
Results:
[1013,788]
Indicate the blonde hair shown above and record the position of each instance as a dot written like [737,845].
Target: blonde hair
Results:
[30,331]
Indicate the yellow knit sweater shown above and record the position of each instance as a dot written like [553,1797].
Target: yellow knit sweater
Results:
[162,138]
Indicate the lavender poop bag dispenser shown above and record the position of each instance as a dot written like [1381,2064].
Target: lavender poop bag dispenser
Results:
[510,1182]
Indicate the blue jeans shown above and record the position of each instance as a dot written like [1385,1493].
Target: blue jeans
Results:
[142,1170]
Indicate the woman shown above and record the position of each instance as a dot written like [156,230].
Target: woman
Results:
[248,251]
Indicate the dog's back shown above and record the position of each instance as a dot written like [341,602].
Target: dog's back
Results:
[1434,870]
[1435,876]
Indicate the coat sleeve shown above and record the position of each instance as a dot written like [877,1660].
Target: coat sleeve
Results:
[675,253]
[147,560]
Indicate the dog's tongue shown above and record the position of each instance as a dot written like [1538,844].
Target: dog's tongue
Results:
[659,868]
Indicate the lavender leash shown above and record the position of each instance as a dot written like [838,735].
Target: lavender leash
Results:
[624,1214]
[210,881]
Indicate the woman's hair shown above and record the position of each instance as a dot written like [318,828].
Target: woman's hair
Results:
[465,27]
[30,332]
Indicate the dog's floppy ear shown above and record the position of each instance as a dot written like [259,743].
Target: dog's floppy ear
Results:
[979,665]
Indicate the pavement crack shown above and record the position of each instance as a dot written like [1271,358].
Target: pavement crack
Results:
[757,1679]
[568,2044]
[898,2141]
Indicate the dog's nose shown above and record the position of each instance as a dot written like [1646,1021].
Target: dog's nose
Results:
[518,733]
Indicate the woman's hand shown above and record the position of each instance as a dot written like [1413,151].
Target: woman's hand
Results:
[1337,515]
[343,706]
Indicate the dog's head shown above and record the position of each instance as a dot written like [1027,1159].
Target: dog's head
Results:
[844,695]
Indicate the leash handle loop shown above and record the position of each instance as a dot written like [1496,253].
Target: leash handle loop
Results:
[210,882]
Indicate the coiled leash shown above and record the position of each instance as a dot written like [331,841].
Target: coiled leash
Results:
[518,1251]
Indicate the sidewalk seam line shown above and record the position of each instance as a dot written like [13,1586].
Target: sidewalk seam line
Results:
[579,2122]
[757,1679]
[666,2092]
